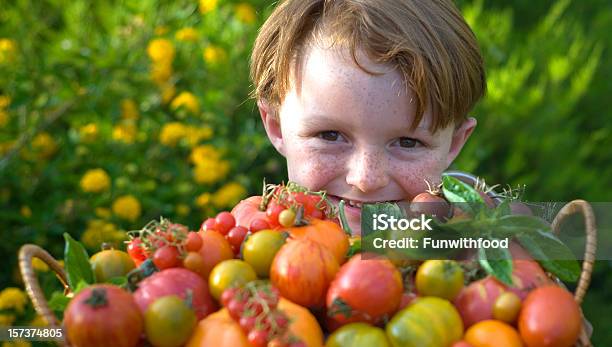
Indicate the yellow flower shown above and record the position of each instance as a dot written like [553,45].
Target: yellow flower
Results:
[172,133]
[161,30]
[5,101]
[229,195]
[26,211]
[13,298]
[207,5]
[167,92]
[8,48]
[214,55]
[187,34]
[125,132]
[95,181]
[44,144]
[89,132]
[210,171]
[187,100]
[195,135]
[203,200]
[5,147]
[161,72]
[245,13]
[182,210]
[4,118]
[103,212]
[127,207]
[129,109]
[99,232]
[39,265]
[39,321]
[161,50]
[201,153]
[6,320]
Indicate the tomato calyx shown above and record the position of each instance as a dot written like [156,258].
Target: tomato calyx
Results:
[291,196]
[97,299]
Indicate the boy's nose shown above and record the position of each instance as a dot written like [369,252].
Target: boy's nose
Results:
[367,172]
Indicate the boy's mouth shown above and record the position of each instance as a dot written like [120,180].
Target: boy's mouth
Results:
[353,203]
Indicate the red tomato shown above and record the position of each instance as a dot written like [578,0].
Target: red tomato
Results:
[175,281]
[550,317]
[136,251]
[371,290]
[166,257]
[272,212]
[247,210]
[236,236]
[209,224]
[87,318]
[225,221]
[475,302]
[258,224]
[193,242]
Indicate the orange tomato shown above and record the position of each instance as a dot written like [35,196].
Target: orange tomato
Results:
[215,249]
[507,307]
[550,317]
[326,233]
[492,333]
[220,330]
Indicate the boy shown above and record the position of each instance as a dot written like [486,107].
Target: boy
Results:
[367,99]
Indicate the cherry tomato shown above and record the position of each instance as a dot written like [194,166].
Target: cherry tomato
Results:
[258,338]
[136,251]
[507,307]
[272,212]
[228,295]
[318,214]
[235,307]
[193,243]
[287,218]
[166,257]
[247,323]
[236,236]
[225,221]
[209,224]
[258,224]
[195,262]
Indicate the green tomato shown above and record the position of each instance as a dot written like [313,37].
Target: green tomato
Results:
[358,335]
[441,278]
[169,322]
[110,263]
[260,248]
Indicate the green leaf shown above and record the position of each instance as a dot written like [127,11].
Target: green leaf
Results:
[457,191]
[497,262]
[77,263]
[551,253]
[58,301]
[355,248]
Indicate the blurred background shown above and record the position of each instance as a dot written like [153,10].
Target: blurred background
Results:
[113,113]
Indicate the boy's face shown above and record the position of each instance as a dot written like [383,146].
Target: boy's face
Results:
[348,132]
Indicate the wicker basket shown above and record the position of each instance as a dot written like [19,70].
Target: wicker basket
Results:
[27,252]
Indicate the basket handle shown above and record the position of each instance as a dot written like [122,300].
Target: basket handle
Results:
[26,253]
[591,241]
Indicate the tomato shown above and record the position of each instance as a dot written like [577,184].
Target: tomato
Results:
[430,321]
[166,257]
[408,298]
[236,236]
[441,278]
[258,224]
[272,213]
[527,275]
[110,263]
[169,322]
[220,330]
[475,302]
[492,333]
[258,337]
[461,343]
[193,261]
[224,222]
[193,242]
[215,248]
[431,205]
[260,248]
[364,290]
[550,317]
[302,270]
[247,210]
[209,224]
[327,234]
[175,281]
[229,273]
[507,307]
[358,335]
[287,218]
[87,322]
[136,251]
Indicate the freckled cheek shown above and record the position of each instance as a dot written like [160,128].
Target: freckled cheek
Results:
[411,176]
[312,169]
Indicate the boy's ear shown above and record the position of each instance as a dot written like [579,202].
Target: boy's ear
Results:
[271,122]
[460,137]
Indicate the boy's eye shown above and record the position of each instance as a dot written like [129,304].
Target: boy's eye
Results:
[407,142]
[329,135]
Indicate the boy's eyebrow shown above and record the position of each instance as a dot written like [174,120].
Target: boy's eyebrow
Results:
[318,119]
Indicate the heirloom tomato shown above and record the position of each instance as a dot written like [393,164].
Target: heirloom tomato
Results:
[215,249]
[358,335]
[260,248]
[110,263]
[441,278]
[325,233]
[169,322]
